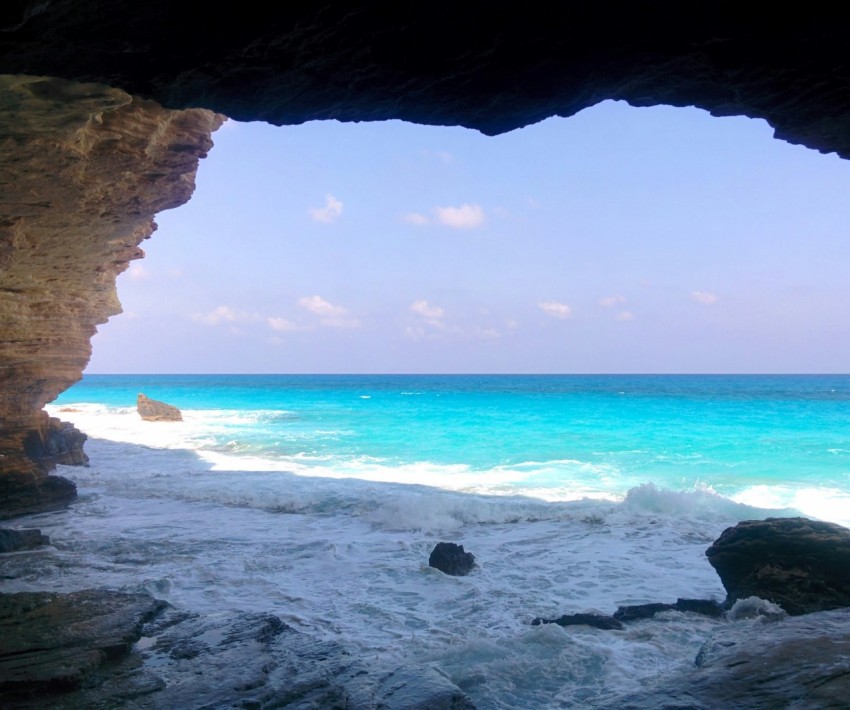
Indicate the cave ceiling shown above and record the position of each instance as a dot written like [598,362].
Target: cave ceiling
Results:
[492,66]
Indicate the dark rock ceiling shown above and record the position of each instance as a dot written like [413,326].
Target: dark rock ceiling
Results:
[493,66]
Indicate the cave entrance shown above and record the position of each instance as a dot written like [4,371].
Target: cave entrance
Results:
[619,240]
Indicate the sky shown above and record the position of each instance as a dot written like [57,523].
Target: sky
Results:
[620,240]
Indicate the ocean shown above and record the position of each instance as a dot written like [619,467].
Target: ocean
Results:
[319,498]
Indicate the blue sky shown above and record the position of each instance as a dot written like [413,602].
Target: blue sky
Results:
[619,240]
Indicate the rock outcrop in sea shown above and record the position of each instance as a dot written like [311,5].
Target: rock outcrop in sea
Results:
[152,410]
[802,565]
[452,559]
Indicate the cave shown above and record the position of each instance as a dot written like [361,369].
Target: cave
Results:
[106,108]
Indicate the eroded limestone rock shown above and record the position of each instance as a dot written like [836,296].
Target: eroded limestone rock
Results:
[83,170]
[152,410]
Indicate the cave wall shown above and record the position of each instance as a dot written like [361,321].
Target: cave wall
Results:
[90,155]
[84,169]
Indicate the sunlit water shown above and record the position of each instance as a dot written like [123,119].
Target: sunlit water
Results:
[320,498]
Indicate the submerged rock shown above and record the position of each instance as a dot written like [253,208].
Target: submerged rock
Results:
[152,410]
[451,559]
[802,565]
[14,540]
[597,621]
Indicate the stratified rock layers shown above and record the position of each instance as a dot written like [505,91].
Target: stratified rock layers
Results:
[83,170]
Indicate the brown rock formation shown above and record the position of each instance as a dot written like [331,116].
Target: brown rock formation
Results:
[83,169]
[801,565]
[152,410]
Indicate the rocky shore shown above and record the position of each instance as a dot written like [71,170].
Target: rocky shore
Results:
[100,648]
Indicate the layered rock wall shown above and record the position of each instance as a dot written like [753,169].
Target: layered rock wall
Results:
[83,170]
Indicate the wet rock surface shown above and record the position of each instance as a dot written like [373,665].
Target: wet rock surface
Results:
[800,662]
[802,565]
[152,410]
[20,495]
[64,443]
[101,649]
[54,642]
[452,559]
[706,607]
[14,540]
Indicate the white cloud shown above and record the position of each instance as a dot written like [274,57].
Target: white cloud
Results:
[464,217]
[224,314]
[611,301]
[282,325]
[555,309]
[424,309]
[416,218]
[321,307]
[704,297]
[331,316]
[625,316]
[330,212]
[137,272]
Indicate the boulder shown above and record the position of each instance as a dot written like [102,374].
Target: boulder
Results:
[451,559]
[152,410]
[802,565]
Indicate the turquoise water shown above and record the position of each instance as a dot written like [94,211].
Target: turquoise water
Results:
[596,433]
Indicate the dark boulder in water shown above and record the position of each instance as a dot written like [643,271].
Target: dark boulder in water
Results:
[597,621]
[152,410]
[802,565]
[451,559]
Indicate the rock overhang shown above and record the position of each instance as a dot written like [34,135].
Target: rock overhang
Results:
[110,167]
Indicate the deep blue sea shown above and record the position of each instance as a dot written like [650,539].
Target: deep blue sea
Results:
[319,498]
